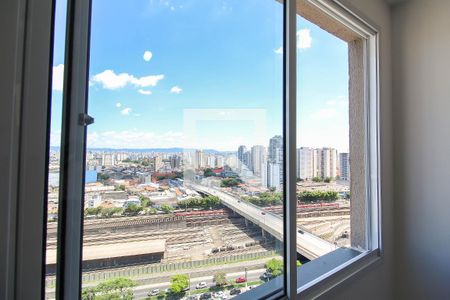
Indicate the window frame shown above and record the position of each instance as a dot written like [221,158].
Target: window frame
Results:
[74,135]
[350,18]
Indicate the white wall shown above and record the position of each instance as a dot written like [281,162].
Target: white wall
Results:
[421,97]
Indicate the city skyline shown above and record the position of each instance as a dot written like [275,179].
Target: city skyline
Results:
[138,100]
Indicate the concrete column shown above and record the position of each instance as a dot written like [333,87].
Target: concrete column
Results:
[357,144]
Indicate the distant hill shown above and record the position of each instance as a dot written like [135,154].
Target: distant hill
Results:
[160,150]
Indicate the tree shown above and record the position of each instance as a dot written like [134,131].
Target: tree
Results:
[120,187]
[275,266]
[117,288]
[179,283]
[102,177]
[88,293]
[299,263]
[107,212]
[229,182]
[92,211]
[317,179]
[132,209]
[220,279]
[327,179]
[208,172]
[166,208]
[313,196]
[145,201]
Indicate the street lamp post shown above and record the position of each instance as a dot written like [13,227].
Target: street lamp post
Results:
[246,281]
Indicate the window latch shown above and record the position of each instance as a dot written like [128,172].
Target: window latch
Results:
[85,119]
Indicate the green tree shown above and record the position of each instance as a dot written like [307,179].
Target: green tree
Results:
[108,212]
[275,266]
[120,187]
[145,201]
[299,263]
[317,179]
[208,172]
[102,176]
[166,208]
[229,182]
[220,279]
[88,293]
[116,288]
[132,209]
[92,211]
[314,196]
[179,283]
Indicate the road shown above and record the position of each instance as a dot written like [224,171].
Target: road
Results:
[308,245]
[140,292]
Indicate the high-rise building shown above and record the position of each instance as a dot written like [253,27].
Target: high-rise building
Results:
[248,159]
[306,163]
[108,160]
[327,162]
[275,176]
[276,149]
[240,155]
[344,166]
[175,162]
[258,153]
[156,163]
[199,159]
[275,163]
[220,161]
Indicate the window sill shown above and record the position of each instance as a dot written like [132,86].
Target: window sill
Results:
[320,275]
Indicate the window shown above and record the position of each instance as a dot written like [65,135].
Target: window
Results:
[215,149]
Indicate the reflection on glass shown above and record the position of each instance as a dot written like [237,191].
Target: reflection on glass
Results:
[323,158]
[183,194]
[54,149]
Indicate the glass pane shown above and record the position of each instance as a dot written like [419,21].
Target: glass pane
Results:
[326,220]
[54,149]
[183,194]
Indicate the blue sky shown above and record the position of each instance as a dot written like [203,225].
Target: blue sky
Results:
[152,62]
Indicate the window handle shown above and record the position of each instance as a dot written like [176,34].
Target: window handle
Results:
[85,119]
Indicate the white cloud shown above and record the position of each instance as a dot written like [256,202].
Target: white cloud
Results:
[55,138]
[58,77]
[304,39]
[110,80]
[118,104]
[325,113]
[176,90]
[144,92]
[279,50]
[148,55]
[126,111]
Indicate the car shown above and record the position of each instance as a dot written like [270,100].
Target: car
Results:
[153,292]
[219,294]
[241,279]
[235,291]
[193,297]
[266,276]
[201,285]
[205,296]
[301,231]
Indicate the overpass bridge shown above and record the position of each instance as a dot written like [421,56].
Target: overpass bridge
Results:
[308,245]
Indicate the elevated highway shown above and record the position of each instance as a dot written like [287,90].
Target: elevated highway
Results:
[308,245]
